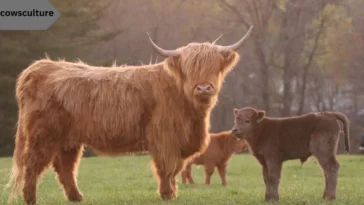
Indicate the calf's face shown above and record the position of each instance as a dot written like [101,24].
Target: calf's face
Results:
[240,146]
[246,120]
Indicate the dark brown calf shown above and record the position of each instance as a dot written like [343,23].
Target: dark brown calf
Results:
[220,150]
[275,140]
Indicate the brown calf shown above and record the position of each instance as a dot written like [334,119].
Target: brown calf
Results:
[219,152]
[275,140]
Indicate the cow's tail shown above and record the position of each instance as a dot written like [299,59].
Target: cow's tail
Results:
[16,174]
[345,121]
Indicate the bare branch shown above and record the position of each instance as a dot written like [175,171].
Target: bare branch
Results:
[308,65]
[235,11]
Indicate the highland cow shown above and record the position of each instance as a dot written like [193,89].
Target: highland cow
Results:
[218,154]
[275,140]
[162,108]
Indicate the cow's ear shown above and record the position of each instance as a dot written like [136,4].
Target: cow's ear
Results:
[261,114]
[236,111]
[173,67]
[230,60]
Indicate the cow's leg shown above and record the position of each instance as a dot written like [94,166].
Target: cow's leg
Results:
[184,177]
[222,172]
[184,173]
[188,173]
[274,168]
[189,176]
[178,168]
[173,182]
[209,170]
[66,164]
[37,157]
[166,188]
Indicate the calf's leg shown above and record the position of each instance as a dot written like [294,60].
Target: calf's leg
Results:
[66,164]
[330,167]
[209,170]
[262,162]
[265,174]
[324,146]
[272,176]
[222,172]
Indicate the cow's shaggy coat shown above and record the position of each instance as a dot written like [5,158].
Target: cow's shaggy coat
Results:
[275,140]
[158,108]
[218,154]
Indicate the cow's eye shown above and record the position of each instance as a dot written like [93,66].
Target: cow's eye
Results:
[247,121]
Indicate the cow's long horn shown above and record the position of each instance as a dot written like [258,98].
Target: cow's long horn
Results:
[238,44]
[161,51]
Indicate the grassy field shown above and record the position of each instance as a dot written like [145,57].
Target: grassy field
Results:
[129,180]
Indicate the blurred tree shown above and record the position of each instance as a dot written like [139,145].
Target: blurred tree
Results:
[68,37]
[303,56]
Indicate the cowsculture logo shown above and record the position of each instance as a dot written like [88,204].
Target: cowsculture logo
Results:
[27,14]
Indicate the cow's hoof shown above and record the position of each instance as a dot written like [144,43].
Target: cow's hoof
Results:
[75,197]
[330,198]
[271,198]
[31,202]
[168,196]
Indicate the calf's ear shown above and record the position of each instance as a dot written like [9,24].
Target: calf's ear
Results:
[261,114]
[236,111]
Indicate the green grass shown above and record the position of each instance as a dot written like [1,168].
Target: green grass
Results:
[129,180]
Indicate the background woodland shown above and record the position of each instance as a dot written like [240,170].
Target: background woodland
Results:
[303,56]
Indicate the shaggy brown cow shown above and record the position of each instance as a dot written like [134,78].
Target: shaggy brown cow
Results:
[220,150]
[162,108]
[275,140]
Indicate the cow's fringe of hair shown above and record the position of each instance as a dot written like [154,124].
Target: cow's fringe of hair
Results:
[16,177]
[15,181]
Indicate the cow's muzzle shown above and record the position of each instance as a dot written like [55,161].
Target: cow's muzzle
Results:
[204,90]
